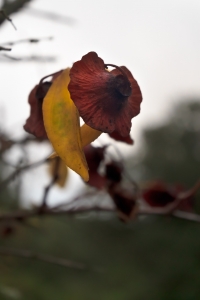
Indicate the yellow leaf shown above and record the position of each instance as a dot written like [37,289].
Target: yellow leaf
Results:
[58,168]
[88,135]
[61,121]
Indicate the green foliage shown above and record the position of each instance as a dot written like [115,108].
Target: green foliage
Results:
[171,152]
[157,258]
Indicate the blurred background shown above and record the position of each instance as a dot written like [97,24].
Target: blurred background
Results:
[152,257]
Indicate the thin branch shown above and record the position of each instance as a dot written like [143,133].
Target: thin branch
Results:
[76,200]
[27,214]
[8,143]
[7,18]
[12,176]
[191,192]
[36,58]
[5,48]
[30,40]
[21,216]
[42,257]
[52,182]
[186,215]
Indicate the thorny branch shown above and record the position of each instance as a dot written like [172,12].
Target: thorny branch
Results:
[7,18]
[10,7]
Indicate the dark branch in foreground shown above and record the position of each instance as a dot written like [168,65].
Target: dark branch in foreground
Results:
[7,18]
[27,214]
[4,251]
[21,216]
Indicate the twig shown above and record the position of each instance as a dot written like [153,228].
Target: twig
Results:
[5,49]
[191,192]
[77,199]
[176,213]
[27,214]
[36,58]
[8,143]
[30,40]
[21,216]
[52,182]
[186,215]
[4,182]
[42,257]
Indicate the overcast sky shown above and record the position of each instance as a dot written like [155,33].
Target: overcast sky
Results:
[157,40]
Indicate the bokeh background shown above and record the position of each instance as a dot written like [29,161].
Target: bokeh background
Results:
[153,257]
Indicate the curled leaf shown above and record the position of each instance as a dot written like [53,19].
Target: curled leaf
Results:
[94,157]
[61,121]
[88,135]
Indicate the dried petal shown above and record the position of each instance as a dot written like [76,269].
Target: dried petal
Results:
[94,156]
[158,194]
[107,101]
[125,139]
[35,124]
[113,171]
[125,201]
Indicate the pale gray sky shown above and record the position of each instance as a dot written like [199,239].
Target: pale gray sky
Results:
[158,40]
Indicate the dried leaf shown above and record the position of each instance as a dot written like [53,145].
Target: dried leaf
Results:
[94,157]
[62,171]
[88,135]
[125,200]
[61,120]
